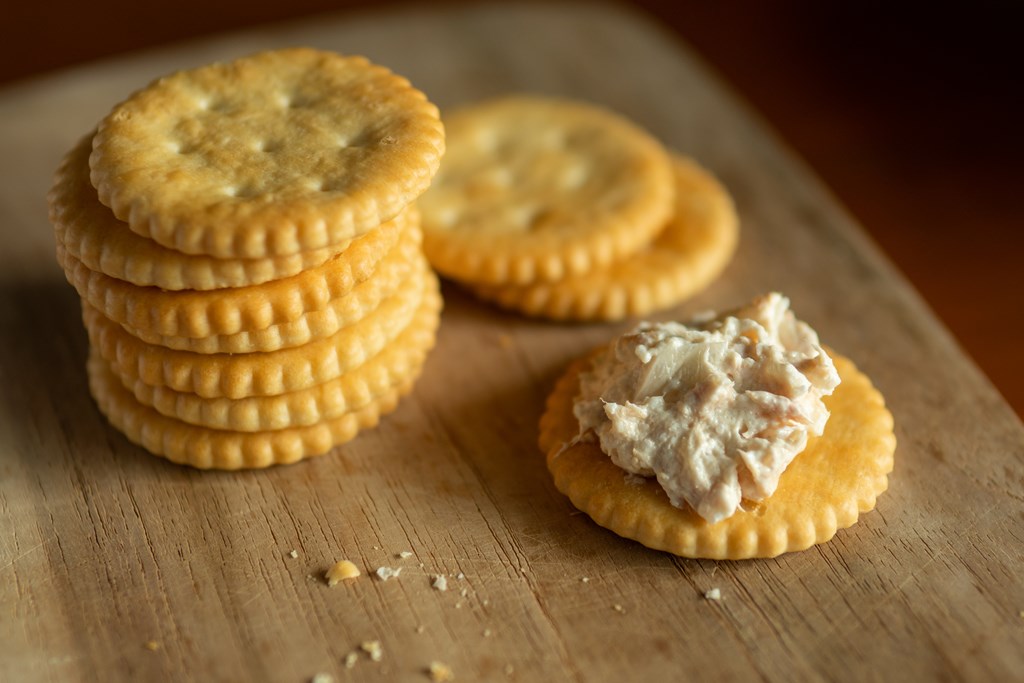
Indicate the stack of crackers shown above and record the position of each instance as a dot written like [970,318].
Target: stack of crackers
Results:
[564,210]
[246,244]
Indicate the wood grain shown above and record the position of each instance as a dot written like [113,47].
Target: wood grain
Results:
[106,548]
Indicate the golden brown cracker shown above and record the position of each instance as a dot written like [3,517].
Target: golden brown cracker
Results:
[91,233]
[402,358]
[538,189]
[838,476]
[241,375]
[206,448]
[243,309]
[394,274]
[688,254]
[269,155]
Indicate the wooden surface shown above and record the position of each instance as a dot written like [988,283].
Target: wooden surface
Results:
[106,548]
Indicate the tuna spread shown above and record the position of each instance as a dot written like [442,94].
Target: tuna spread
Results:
[715,409]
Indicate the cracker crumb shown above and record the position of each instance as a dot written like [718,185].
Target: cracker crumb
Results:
[440,672]
[509,669]
[713,594]
[488,633]
[293,554]
[440,583]
[385,573]
[341,571]
[465,592]
[376,547]
[485,603]
[322,678]
[421,565]
[619,608]
[458,605]
[151,645]
[421,628]
[404,555]
[460,576]
[350,659]
[522,570]
[372,648]
[585,579]
[714,570]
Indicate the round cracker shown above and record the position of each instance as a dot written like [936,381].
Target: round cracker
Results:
[360,386]
[91,233]
[269,155]
[838,476]
[229,311]
[217,449]
[687,255]
[242,375]
[537,188]
[394,275]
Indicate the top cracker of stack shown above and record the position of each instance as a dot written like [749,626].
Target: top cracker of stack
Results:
[247,248]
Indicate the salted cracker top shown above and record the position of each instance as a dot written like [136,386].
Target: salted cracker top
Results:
[539,188]
[269,155]
[716,410]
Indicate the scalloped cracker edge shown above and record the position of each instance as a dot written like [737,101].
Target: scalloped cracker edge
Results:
[268,155]
[836,478]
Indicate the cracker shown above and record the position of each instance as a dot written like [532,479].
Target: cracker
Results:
[91,233]
[259,374]
[217,449]
[229,311]
[269,155]
[689,253]
[393,276]
[535,189]
[838,476]
[402,358]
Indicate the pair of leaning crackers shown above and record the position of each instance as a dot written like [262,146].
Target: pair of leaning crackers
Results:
[565,210]
[246,244]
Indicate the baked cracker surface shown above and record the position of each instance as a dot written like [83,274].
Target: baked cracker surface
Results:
[691,250]
[400,360]
[206,448]
[241,375]
[401,268]
[91,233]
[268,155]
[537,189]
[838,476]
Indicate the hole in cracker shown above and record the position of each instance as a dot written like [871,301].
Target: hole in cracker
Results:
[554,139]
[486,140]
[525,216]
[388,140]
[296,101]
[574,177]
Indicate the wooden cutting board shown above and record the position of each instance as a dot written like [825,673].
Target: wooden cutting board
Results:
[105,549]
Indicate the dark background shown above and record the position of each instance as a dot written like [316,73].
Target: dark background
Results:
[910,112]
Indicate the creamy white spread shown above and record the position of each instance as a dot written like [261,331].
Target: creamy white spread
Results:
[715,409]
